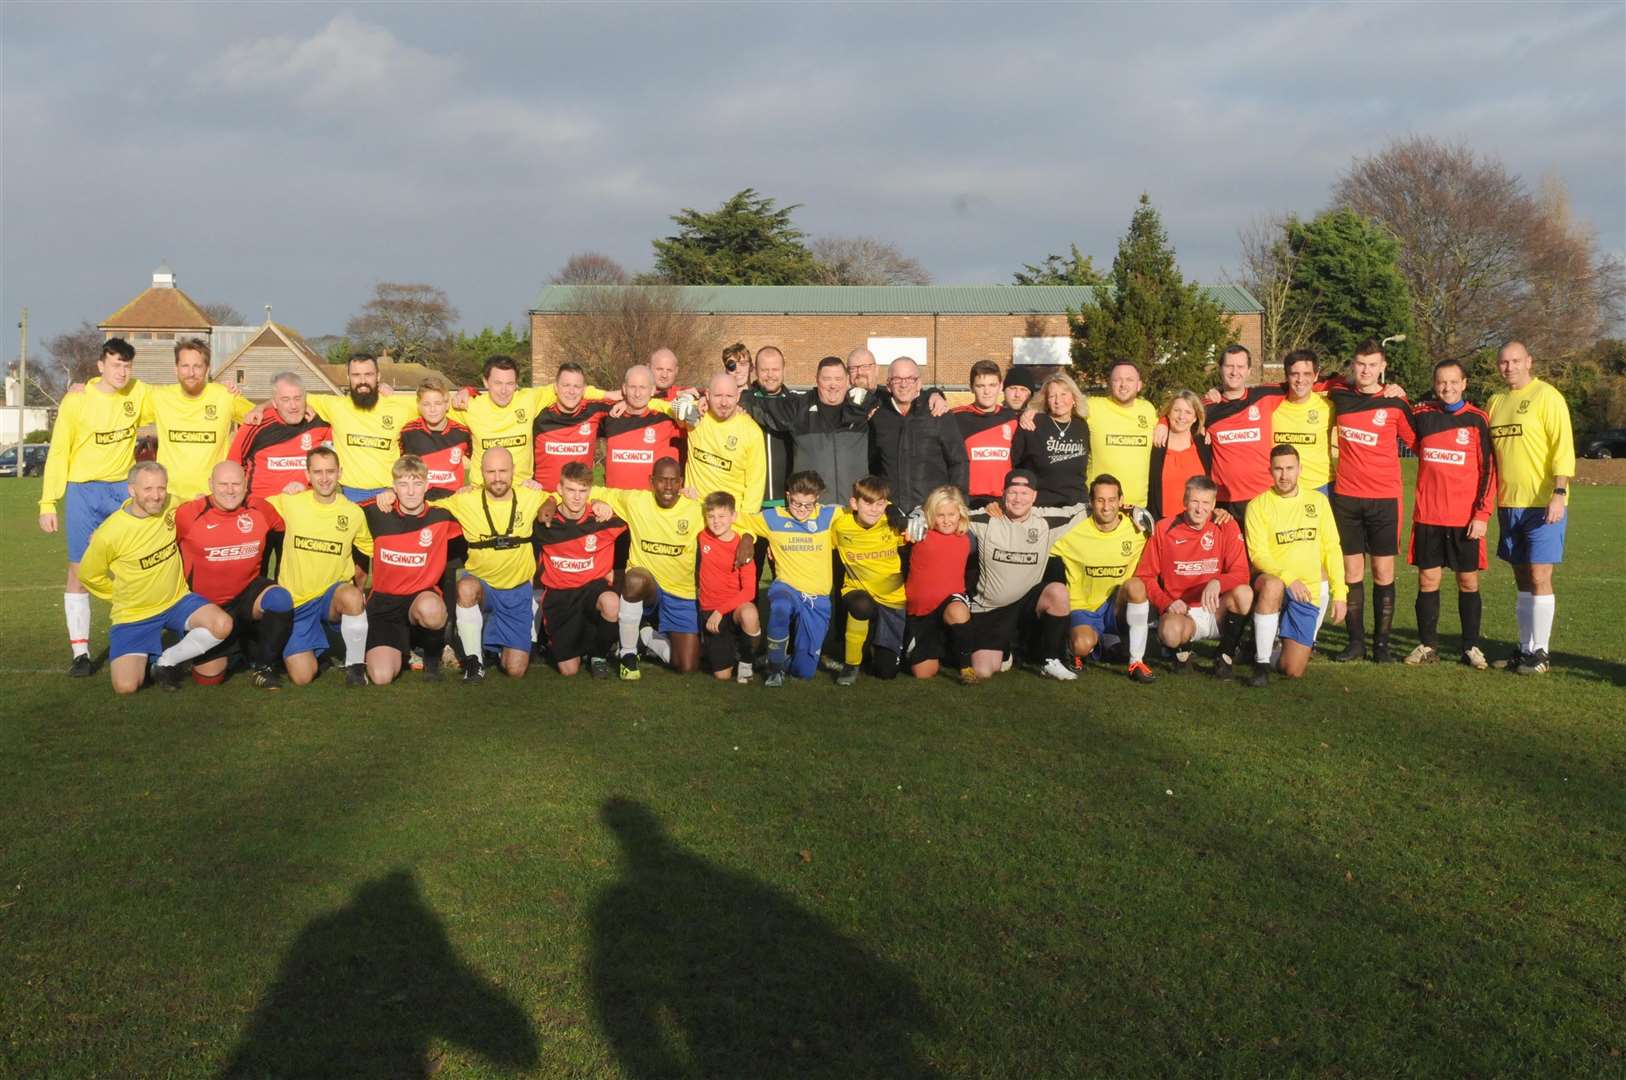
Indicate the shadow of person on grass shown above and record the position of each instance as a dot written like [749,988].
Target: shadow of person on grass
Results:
[364,990]
[701,971]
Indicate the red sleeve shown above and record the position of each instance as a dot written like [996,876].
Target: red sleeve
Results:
[1408,430]
[1150,568]
[186,515]
[239,444]
[1234,568]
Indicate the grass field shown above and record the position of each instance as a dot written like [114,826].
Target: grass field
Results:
[1375,872]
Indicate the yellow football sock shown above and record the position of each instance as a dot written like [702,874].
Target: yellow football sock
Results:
[857,634]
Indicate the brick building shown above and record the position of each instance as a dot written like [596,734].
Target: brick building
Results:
[944,328]
[153,321]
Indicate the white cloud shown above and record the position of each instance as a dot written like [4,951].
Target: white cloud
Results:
[348,62]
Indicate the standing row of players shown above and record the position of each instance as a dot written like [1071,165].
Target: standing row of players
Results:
[727,447]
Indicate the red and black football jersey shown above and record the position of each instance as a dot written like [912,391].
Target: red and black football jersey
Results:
[223,550]
[272,453]
[1370,429]
[1240,434]
[1456,468]
[446,453]
[723,586]
[409,551]
[632,445]
[987,438]
[575,553]
[559,438]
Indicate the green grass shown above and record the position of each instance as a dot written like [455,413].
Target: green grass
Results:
[1374,872]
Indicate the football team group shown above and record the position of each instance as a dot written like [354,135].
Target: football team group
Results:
[1037,525]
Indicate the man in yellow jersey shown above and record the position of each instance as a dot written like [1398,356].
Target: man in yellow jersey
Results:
[503,415]
[366,427]
[868,536]
[1304,420]
[665,525]
[92,449]
[1121,426]
[800,538]
[726,448]
[195,418]
[320,526]
[1103,593]
[1535,458]
[1297,564]
[134,561]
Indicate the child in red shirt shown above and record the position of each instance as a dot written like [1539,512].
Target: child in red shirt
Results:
[936,608]
[730,628]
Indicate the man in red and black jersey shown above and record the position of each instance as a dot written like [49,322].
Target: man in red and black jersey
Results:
[1366,493]
[566,430]
[987,427]
[663,366]
[407,544]
[1456,493]
[1239,432]
[1197,577]
[223,542]
[580,605]
[272,452]
[444,445]
[634,441]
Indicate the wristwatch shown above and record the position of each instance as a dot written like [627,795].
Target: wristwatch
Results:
[1561,491]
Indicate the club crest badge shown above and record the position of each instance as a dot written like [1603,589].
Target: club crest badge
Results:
[1253,412]
[1462,436]
[1207,542]
[426,536]
[649,435]
[210,412]
[456,456]
[245,523]
[305,441]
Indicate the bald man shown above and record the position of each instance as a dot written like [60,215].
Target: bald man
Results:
[223,540]
[639,436]
[910,445]
[726,449]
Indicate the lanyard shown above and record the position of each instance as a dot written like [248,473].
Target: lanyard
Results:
[513,514]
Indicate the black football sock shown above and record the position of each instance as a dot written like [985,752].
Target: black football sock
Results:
[959,644]
[747,645]
[1468,610]
[1355,616]
[1428,618]
[1230,634]
[1052,637]
[275,629]
[1383,618]
[605,632]
[431,642]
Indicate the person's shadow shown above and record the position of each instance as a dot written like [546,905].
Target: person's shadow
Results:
[364,989]
[701,971]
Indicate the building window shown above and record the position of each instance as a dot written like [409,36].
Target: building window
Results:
[163,337]
[888,349]
[1042,351]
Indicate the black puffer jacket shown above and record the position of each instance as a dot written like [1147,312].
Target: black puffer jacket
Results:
[916,451]
[831,440]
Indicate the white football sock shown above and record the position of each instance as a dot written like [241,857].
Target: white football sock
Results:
[197,641]
[1542,609]
[353,629]
[632,613]
[1321,611]
[1264,634]
[76,605]
[656,643]
[1525,611]
[1138,617]
[471,623]
[536,615]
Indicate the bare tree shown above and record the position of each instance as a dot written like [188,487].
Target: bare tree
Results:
[72,355]
[865,260]
[1484,259]
[411,321]
[608,329]
[1267,272]
[590,268]
[224,315]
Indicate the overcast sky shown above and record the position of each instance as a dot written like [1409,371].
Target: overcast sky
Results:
[294,155]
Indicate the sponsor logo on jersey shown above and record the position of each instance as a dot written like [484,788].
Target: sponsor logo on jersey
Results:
[320,547]
[1105,571]
[633,457]
[1127,440]
[426,536]
[147,562]
[1015,558]
[990,453]
[506,440]
[1301,438]
[1356,435]
[1196,569]
[441,477]
[1439,455]
[1236,435]
[1293,536]
[711,459]
[191,437]
[570,566]
[370,442]
[245,523]
[210,412]
[232,552]
[108,438]
[656,548]
[1507,431]
[565,449]
[285,464]
[391,557]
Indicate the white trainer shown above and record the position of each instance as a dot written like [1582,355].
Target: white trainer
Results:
[1055,669]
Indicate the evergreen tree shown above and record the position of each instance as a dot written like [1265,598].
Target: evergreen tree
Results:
[1347,272]
[746,241]
[465,360]
[1148,313]
[1077,269]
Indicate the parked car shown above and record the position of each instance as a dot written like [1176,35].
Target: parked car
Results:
[33,459]
[1607,444]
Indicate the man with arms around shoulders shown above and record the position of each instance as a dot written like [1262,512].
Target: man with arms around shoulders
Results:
[1196,575]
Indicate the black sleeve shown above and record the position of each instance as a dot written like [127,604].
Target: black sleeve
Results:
[778,413]
[1154,484]
[959,466]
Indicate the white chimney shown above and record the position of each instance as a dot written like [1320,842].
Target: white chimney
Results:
[163,277]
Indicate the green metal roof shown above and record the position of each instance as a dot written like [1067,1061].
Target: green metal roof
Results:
[885,299]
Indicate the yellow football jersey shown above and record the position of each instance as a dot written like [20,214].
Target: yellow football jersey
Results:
[317,538]
[135,562]
[663,541]
[482,518]
[509,425]
[1530,431]
[1307,427]
[1294,537]
[1121,443]
[869,554]
[93,439]
[368,440]
[194,433]
[1098,562]
[801,549]
[729,455]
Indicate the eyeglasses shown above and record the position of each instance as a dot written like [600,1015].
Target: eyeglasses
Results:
[798,504]
[904,378]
